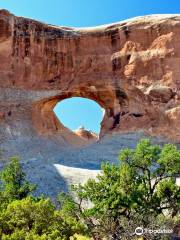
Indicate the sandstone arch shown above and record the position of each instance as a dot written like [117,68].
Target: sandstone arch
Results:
[130,68]
[48,123]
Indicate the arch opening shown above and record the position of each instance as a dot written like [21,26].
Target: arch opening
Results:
[81,115]
[109,103]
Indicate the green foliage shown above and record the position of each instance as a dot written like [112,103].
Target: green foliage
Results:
[24,217]
[14,184]
[79,237]
[139,191]
[28,218]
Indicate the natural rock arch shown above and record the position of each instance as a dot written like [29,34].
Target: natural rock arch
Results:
[129,68]
[48,123]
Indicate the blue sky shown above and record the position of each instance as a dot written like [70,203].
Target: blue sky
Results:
[75,112]
[88,12]
[80,13]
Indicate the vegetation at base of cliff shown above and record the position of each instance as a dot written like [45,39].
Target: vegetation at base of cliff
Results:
[24,217]
[140,191]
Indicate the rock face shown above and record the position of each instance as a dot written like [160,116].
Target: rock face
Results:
[132,69]
[86,135]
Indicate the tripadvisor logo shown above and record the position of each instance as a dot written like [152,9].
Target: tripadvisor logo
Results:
[142,231]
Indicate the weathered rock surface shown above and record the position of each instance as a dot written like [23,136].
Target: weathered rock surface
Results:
[130,68]
[87,135]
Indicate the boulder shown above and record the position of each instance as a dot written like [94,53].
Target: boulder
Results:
[160,93]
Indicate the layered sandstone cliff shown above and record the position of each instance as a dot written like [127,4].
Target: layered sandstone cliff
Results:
[132,69]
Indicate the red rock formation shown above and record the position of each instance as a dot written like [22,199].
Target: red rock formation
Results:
[86,135]
[130,68]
